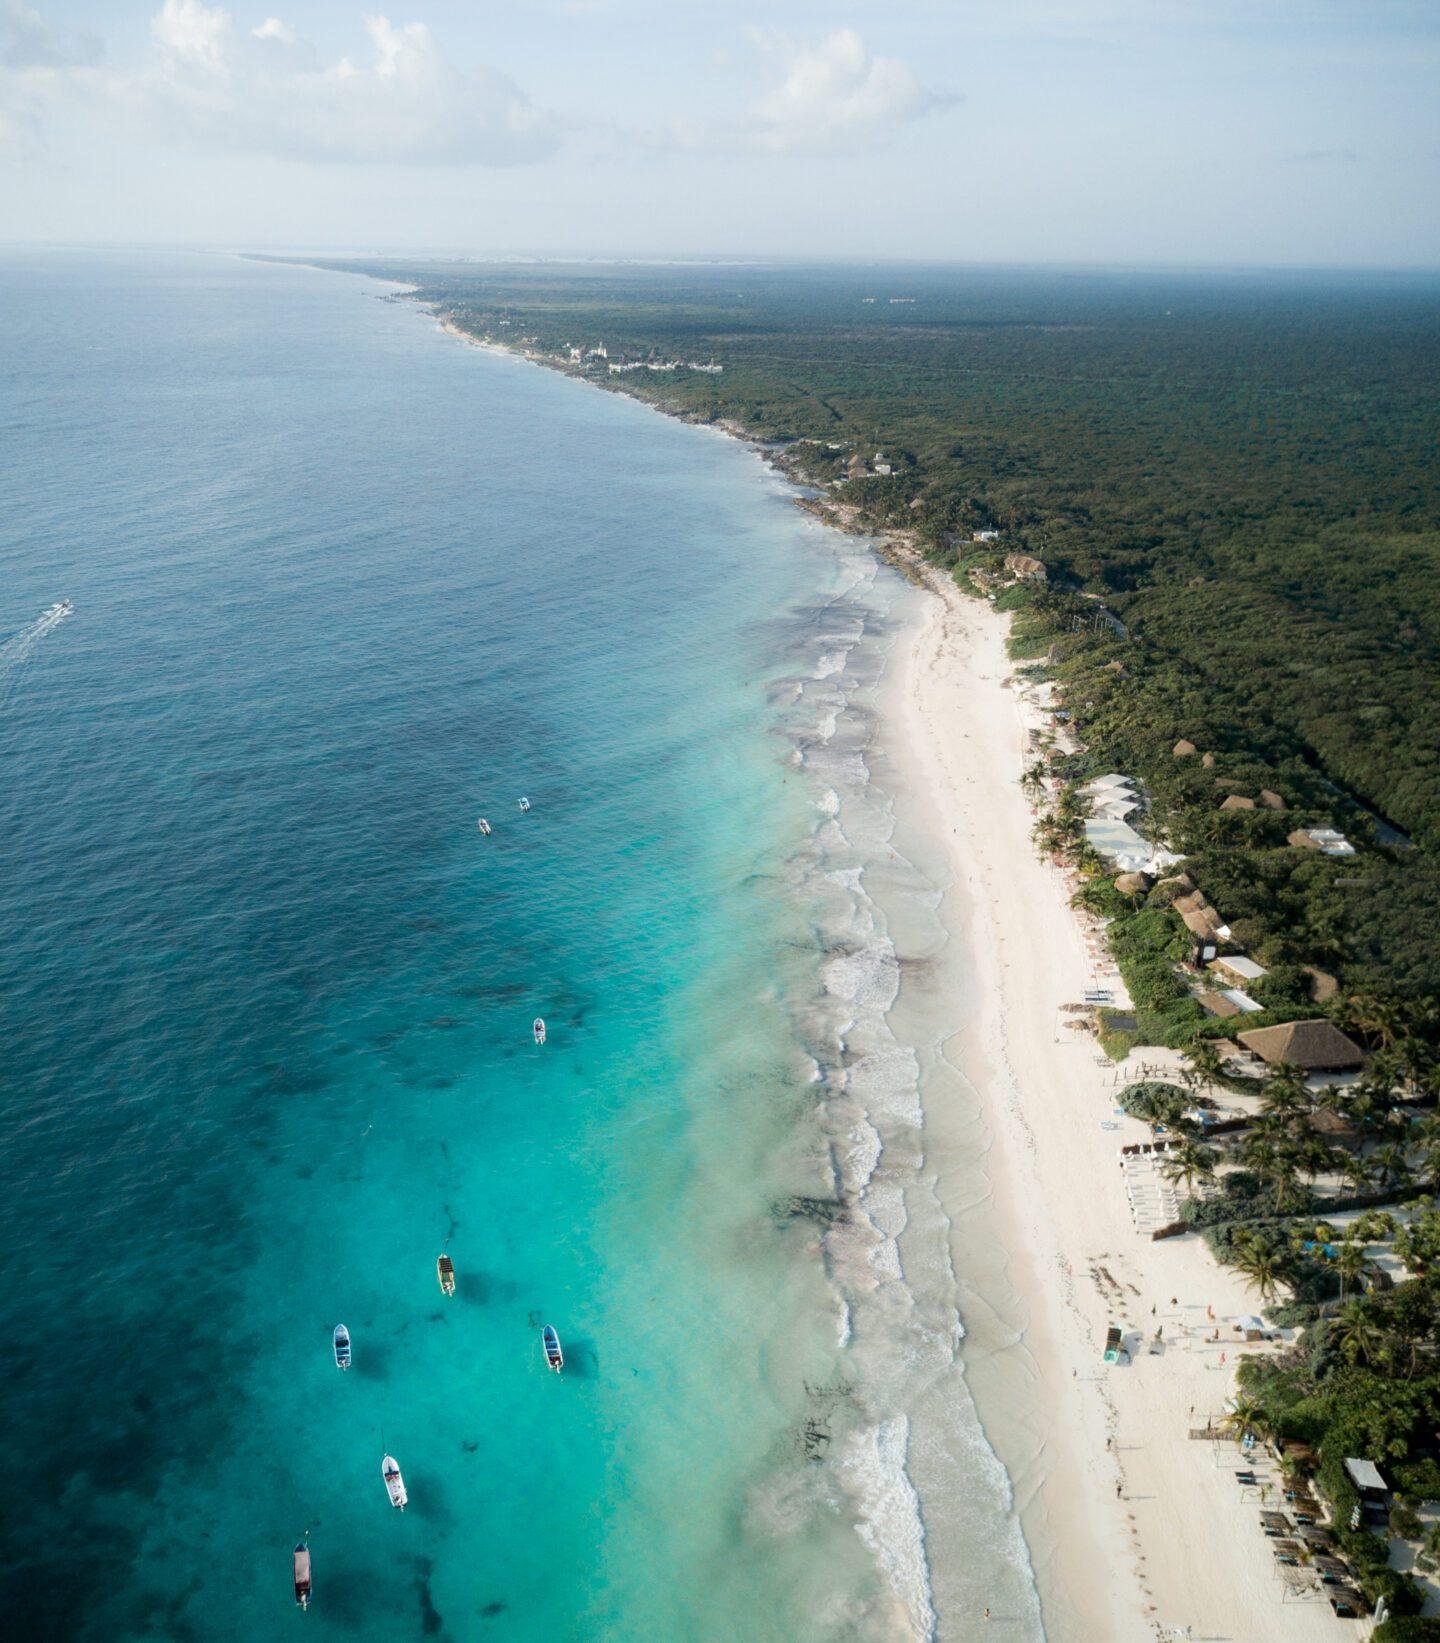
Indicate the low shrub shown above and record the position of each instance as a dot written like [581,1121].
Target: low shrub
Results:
[1408,1628]
[1401,1593]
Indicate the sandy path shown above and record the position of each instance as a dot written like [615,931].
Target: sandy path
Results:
[1178,1546]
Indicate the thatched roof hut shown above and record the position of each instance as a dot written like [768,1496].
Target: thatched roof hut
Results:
[1184,750]
[1208,760]
[1322,986]
[1204,922]
[1336,1128]
[1132,884]
[1237,801]
[1181,881]
[1271,801]
[1301,840]
[1314,1046]
[1025,567]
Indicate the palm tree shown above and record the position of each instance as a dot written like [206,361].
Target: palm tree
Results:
[1358,1336]
[1380,1078]
[1262,1267]
[1190,1162]
[1247,1416]
[1284,1089]
[1377,1018]
[1205,1059]
[1392,1161]
[1349,1263]
[1356,1173]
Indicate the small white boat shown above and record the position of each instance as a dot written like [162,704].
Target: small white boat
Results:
[484,826]
[445,1272]
[302,1575]
[539,1030]
[342,1347]
[394,1483]
[553,1355]
[524,804]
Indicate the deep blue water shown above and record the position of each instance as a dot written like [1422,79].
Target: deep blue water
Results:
[343,585]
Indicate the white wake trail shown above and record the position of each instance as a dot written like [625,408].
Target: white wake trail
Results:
[17,650]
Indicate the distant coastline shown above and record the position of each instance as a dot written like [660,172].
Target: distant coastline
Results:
[1123,1516]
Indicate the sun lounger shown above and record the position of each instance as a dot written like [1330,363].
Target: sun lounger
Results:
[1348,1603]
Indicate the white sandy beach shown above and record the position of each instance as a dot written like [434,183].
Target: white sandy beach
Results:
[1178,1546]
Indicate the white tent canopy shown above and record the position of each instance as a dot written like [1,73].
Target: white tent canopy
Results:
[1365,1474]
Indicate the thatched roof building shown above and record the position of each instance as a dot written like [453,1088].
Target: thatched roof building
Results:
[1184,750]
[1200,917]
[1024,567]
[1336,1128]
[1132,884]
[1271,800]
[1315,1046]
[1322,986]
[1237,801]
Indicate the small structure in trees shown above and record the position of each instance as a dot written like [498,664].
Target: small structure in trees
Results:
[1313,1046]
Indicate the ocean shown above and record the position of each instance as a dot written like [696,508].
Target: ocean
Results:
[343,585]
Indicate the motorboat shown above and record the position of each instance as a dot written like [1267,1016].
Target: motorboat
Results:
[539,1029]
[551,1342]
[302,1575]
[342,1347]
[484,826]
[445,1272]
[524,804]
[394,1483]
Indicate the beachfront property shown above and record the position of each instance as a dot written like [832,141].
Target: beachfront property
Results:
[1316,1046]
[1108,831]
[1024,567]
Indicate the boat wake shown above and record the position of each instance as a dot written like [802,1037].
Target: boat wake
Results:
[16,652]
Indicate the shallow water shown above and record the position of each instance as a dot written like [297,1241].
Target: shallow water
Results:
[343,585]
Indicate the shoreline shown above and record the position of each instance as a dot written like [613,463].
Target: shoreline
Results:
[1127,1522]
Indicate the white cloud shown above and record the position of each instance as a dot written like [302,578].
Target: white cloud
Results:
[27,41]
[35,59]
[273,29]
[210,82]
[189,32]
[830,97]
[402,100]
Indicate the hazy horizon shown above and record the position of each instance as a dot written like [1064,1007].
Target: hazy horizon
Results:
[1132,133]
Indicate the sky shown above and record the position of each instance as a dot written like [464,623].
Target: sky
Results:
[1194,132]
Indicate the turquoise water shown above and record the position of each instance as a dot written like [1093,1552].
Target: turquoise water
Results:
[342,586]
